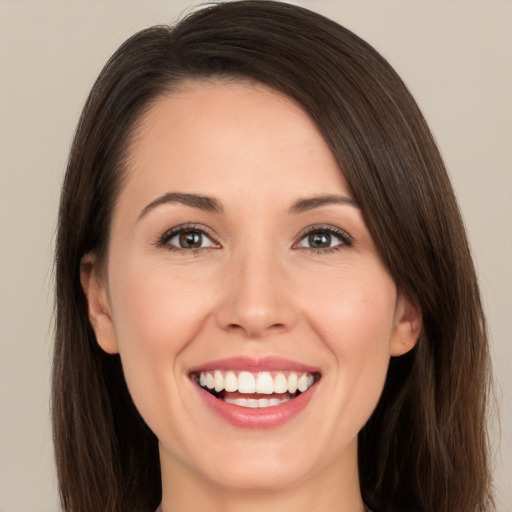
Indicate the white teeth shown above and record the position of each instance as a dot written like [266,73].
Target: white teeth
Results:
[280,384]
[246,383]
[256,403]
[243,402]
[230,382]
[261,383]
[265,383]
[292,382]
[302,384]
[218,378]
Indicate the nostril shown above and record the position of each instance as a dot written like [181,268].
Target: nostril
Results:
[255,316]
[253,331]
[277,327]
[234,327]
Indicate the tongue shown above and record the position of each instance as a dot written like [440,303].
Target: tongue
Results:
[235,394]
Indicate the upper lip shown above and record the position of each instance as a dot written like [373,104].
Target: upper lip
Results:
[251,364]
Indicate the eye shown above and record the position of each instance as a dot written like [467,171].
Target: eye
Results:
[187,238]
[324,238]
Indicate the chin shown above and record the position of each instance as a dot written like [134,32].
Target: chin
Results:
[258,476]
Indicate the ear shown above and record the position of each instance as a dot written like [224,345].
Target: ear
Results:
[99,310]
[407,326]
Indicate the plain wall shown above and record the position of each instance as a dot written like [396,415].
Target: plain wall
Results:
[455,55]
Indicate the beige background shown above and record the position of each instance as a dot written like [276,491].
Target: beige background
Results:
[455,55]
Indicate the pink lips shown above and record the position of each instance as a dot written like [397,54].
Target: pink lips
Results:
[268,364]
[262,418]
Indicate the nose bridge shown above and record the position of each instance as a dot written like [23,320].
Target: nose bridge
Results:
[255,299]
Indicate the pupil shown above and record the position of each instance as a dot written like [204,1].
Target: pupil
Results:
[190,239]
[319,240]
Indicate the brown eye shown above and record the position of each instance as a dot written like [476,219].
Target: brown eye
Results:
[187,238]
[319,240]
[323,238]
[190,240]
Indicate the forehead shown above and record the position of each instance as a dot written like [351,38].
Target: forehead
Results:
[229,137]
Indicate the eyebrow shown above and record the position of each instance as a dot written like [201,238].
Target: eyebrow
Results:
[309,203]
[194,200]
[212,205]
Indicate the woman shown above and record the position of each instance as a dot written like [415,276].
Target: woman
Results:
[255,218]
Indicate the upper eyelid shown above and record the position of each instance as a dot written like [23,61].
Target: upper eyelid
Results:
[346,240]
[187,227]
[323,227]
[176,230]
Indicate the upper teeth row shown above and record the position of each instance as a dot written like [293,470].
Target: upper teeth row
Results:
[262,382]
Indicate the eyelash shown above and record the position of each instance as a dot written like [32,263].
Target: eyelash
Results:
[163,241]
[346,240]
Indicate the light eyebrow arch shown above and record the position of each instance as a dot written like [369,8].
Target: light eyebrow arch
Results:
[310,203]
[194,200]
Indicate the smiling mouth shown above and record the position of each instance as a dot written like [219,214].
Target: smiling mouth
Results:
[255,390]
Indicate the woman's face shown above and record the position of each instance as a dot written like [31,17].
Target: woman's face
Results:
[239,260]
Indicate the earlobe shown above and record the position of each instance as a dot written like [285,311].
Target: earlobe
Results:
[95,291]
[407,326]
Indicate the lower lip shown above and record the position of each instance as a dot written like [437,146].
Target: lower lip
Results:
[262,418]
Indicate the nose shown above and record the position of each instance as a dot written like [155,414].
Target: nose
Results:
[256,297]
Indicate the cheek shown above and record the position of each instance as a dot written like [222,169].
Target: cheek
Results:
[354,320]
[154,310]
[156,315]
[354,309]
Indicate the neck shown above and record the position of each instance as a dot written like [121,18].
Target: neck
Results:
[334,489]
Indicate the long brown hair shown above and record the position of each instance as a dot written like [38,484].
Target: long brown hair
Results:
[425,446]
